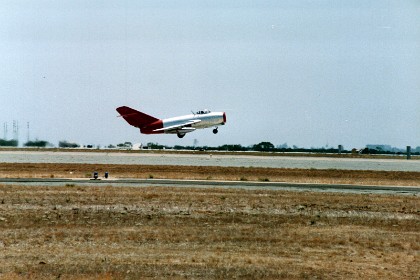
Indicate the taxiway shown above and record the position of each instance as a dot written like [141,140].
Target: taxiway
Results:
[343,188]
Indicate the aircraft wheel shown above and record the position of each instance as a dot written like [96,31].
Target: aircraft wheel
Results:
[180,135]
[215,131]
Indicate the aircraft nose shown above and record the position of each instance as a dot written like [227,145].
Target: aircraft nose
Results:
[224,117]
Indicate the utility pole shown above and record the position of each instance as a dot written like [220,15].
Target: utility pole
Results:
[5,130]
[408,152]
[15,130]
[28,133]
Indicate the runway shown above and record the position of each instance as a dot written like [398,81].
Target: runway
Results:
[397,190]
[215,159]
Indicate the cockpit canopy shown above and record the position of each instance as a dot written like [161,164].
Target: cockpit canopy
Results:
[203,112]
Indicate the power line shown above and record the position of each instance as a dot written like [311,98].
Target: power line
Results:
[5,130]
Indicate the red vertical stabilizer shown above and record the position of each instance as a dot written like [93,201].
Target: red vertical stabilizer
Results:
[136,118]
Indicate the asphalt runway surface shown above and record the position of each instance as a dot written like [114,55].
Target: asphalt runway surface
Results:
[214,159]
[396,190]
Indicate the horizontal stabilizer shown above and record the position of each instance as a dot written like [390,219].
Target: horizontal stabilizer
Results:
[179,127]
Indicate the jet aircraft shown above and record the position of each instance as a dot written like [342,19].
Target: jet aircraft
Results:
[177,125]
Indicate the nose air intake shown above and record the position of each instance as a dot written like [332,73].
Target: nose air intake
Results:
[224,117]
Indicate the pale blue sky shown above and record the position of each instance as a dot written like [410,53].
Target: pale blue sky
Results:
[308,73]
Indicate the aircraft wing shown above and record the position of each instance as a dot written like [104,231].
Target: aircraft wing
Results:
[180,126]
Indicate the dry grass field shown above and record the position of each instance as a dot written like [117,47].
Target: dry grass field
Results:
[80,232]
[75,232]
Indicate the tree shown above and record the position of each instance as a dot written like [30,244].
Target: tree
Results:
[263,147]
[155,146]
[9,143]
[65,144]
[37,143]
[125,145]
[234,147]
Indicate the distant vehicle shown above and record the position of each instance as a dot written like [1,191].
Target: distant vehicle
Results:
[177,125]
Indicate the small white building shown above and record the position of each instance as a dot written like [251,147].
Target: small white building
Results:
[137,146]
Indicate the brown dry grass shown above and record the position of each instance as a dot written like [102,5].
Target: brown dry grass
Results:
[76,232]
[331,176]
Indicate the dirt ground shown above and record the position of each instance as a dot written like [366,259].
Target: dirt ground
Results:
[79,232]
[330,176]
[75,232]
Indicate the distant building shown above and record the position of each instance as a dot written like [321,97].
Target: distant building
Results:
[137,146]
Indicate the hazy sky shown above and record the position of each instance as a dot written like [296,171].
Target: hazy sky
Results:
[308,73]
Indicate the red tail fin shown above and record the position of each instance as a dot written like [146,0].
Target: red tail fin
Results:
[134,117]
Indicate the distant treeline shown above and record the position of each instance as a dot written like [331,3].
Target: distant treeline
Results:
[269,147]
[8,143]
[37,143]
[65,144]
[260,147]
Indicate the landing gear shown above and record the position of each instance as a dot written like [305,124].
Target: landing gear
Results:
[215,131]
[180,135]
